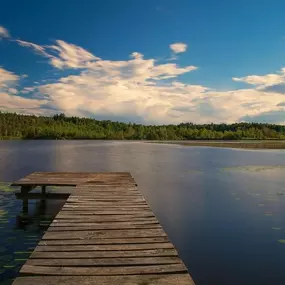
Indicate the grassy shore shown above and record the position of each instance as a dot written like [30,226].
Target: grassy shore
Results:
[233,144]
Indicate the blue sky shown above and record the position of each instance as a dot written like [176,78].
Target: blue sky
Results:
[116,59]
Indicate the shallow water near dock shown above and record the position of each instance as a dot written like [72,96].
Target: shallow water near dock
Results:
[223,209]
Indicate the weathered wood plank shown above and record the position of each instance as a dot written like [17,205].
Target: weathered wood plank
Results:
[78,194]
[105,261]
[108,198]
[73,179]
[104,204]
[110,203]
[103,227]
[104,219]
[94,200]
[112,195]
[110,189]
[158,279]
[117,200]
[106,194]
[105,254]
[107,211]
[104,234]
[105,241]
[101,271]
[112,206]
[108,247]
[84,193]
[90,211]
[105,189]
[62,223]
[111,218]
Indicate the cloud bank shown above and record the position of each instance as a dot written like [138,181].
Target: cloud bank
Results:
[138,89]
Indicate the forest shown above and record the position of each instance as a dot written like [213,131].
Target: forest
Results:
[59,126]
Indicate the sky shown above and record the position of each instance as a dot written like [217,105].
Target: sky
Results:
[144,61]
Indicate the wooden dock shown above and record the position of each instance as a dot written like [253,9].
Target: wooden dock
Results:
[104,234]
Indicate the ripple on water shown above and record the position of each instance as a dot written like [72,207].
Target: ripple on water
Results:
[254,168]
[17,239]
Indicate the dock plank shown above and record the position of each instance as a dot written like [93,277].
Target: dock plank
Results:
[101,271]
[108,247]
[103,211]
[105,254]
[103,227]
[104,261]
[161,279]
[62,223]
[105,241]
[108,218]
[114,206]
[104,234]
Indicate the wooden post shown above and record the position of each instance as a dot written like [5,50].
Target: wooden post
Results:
[43,201]
[25,207]
[44,190]
[42,209]
[25,204]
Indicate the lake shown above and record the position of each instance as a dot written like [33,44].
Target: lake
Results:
[223,209]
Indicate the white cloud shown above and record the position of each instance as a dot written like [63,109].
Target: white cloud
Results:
[35,47]
[138,89]
[70,56]
[4,32]
[12,91]
[7,78]
[17,103]
[10,101]
[136,55]
[121,88]
[263,80]
[178,47]
[62,54]
[96,94]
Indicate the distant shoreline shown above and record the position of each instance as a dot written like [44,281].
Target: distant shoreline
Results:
[238,144]
[232,144]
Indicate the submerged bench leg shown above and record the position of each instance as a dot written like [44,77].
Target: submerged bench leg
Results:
[25,207]
[44,190]
[43,201]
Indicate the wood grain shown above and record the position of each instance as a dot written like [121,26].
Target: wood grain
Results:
[101,271]
[158,279]
[87,262]
[105,254]
[105,241]
[108,247]
[104,234]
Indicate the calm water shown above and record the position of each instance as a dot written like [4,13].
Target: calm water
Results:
[223,209]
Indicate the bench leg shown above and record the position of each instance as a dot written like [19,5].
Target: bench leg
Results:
[25,207]
[44,190]
[25,204]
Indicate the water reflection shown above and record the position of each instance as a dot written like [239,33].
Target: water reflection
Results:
[228,226]
[22,224]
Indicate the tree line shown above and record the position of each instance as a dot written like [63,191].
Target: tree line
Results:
[16,126]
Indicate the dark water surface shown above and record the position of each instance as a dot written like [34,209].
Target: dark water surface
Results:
[223,209]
